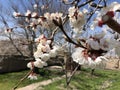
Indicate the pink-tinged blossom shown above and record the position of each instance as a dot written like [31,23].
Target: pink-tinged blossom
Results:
[47,20]
[114,6]
[32,24]
[45,57]
[8,31]
[32,76]
[82,57]
[30,65]
[110,13]
[34,14]
[28,13]
[16,14]
[92,43]
[77,19]
[96,22]
[78,56]
[53,52]
[104,44]
[38,63]
[109,10]
[44,52]
[38,53]
[100,23]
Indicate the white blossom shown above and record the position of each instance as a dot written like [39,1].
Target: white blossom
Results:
[44,63]
[38,53]
[45,57]
[47,15]
[100,58]
[114,6]
[77,19]
[38,63]
[43,7]
[32,77]
[48,42]
[47,20]
[107,43]
[46,48]
[34,14]
[78,57]
[85,11]
[16,14]
[93,44]
[100,34]
[81,57]
[37,40]
[53,53]
[8,31]
[32,24]
[28,13]
[30,65]
[95,22]
[35,6]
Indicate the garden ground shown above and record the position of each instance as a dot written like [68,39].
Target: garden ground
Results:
[108,79]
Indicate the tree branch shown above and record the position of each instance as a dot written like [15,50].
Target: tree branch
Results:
[15,46]
[60,25]
[111,23]
[69,79]
[85,3]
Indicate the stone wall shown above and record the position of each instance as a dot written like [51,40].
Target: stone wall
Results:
[10,63]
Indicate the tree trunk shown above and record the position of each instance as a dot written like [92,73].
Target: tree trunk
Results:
[70,65]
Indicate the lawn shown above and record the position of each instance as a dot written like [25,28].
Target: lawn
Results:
[9,80]
[101,80]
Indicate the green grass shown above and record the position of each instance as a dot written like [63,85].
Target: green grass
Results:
[101,80]
[9,80]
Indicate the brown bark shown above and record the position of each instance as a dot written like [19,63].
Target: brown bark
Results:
[114,25]
[67,60]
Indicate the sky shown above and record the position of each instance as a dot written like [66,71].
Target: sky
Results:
[7,5]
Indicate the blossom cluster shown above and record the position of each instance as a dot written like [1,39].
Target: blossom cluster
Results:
[42,54]
[109,10]
[96,45]
[45,21]
[48,23]
[77,18]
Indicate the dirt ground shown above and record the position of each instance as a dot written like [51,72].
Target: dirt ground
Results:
[113,64]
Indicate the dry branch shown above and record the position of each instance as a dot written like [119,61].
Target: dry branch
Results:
[113,24]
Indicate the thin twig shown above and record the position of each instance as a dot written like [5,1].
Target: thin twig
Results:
[11,40]
[69,79]
[94,11]
[69,39]
[85,3]
[105,4]
[92,14]
[22,79]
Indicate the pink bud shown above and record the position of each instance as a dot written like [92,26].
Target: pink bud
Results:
[100,23]
[110,13]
